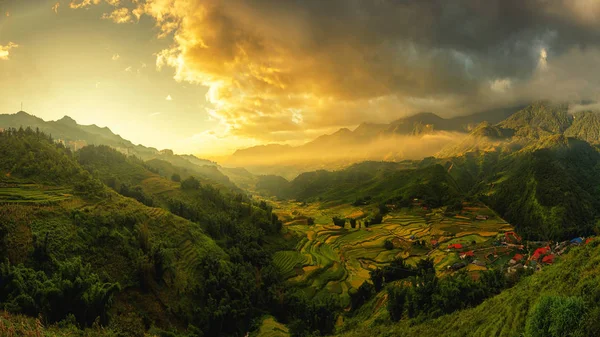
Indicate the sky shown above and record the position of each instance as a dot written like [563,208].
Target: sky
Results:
[209,76]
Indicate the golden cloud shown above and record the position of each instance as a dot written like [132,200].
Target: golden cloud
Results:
[120,15]
[284,69]
[75,4]
[55,7]
[5,50]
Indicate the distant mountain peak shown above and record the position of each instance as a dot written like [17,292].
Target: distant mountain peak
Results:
[342,131]
[67,120]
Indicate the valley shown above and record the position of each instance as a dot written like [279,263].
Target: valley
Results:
[374,247]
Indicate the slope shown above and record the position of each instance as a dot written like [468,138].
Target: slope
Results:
[376,181]
[96,257]
[575,275]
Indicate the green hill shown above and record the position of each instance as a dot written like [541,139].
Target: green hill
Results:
[586,126]
[561,300]
[377,181]
[546,188]
[77,252]
[539,119]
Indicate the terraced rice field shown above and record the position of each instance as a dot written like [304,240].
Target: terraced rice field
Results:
[33,194]
[330,259]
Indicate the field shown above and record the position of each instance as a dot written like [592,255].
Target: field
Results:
[27,193]
[331,259]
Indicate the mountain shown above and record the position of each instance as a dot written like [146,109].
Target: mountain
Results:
[412,137]
[96,238]
[539,119]
[76,136]
[585,126]
[68,131]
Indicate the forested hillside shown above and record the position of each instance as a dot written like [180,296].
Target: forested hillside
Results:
[77,253]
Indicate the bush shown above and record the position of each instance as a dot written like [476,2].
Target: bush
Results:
[190,183]
[339,221]
[176,177]
[388,244]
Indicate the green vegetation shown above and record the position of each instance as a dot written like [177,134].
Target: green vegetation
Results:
[97,242]
[569,289]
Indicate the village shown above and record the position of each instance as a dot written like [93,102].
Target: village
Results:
[523,254]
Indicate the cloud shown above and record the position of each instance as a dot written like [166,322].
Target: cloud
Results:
[129,69]
[55,7]
[5,50]
[120,15]
[75,4]
[115,57]
[290,68]
[169,98]
[154,114]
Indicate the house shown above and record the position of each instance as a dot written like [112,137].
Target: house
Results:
[576,241]
[548,259]
[455,246]
[516,238]
[516,258]
[588,240]
[458,265]
[434,242]
[467,254]
[540,252]
[481,217]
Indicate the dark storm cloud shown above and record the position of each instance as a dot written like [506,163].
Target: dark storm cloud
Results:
[298,65]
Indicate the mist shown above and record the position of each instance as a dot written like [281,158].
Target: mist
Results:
[290,161]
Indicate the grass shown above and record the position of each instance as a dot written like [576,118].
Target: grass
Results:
[33,194]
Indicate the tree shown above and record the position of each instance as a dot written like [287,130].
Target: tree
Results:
[176,177]
[388,244]
[353,223]
[190,183]
[339,221]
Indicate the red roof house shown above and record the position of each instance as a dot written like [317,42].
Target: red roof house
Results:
[455,246]
[549,259]
[467,254]
[518,257]
[540,252]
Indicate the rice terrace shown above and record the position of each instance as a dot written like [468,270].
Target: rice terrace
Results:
[329,258]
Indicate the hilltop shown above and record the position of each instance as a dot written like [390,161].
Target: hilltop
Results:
[75,136]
